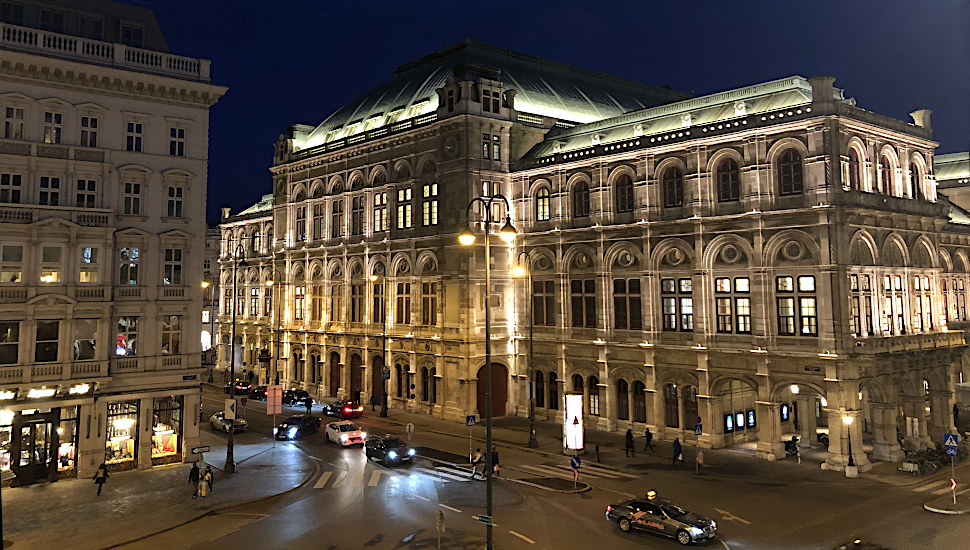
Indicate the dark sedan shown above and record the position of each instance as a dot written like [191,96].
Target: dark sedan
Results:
[297,397]
[219,422]
[258,393]
[388,449]
[297,426]
[659,515]
[239,387]
[344,409]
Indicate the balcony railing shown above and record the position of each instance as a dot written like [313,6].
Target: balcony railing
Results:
[102,53]
[53,372]
[28,213]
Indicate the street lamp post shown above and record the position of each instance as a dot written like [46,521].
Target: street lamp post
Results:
[236,262]
[373,278]
[518,271]
[467,238]
[847,420]
[277,324]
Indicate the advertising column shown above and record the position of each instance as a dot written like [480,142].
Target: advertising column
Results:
[572,425]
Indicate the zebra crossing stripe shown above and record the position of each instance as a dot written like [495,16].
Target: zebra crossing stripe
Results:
[547,470]
[444,474]
[566,473]
[324,478]
[619,475]
[929,486]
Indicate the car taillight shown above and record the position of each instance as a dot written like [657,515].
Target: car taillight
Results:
[346,409]
[360,409]
[609,508]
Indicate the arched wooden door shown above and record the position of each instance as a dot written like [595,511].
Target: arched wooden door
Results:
[377,377]
[334,374]
[356,376]
[500,390]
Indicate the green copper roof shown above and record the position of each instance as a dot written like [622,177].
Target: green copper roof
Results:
[543,87]
[265,204]
[952,167]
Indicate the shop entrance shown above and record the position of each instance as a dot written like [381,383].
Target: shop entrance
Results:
[33,446]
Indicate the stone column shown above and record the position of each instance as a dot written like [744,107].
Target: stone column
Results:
[884,445]
[770,446]
[836,459]
[806,420]
[854,431]
[912,409]
[91,438]
[940,419]
[146,411]
[190,425]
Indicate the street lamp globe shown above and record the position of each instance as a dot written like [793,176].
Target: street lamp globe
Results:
[467,238]
[847,420]
[507,233]
[794,389]
[518,271]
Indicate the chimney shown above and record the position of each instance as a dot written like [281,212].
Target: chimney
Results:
[921,118]
[225,212]
[822,89]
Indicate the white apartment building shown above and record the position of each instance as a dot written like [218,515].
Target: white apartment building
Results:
[103,159]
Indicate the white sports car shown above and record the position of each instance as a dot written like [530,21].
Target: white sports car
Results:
[346,433]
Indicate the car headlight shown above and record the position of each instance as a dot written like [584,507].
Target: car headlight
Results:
[363,435]
[410,452]
[713,524]
[343,437]
[292,431]
[696,531]
[392,454]
[275,430]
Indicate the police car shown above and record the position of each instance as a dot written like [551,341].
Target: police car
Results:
[659,515]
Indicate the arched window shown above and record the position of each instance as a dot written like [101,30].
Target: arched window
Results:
[434,385]
[256,241]
[581,200]
[622,400]
[690,406]
[671,410]
[790,172]
[886,176]
[424,383]
[728,181]
[594,396]
[399,378]
[639,402]
[915,189]
[673,187]
[855,167]
[577,382]
[624,193]
[542,205]
[553,391]
[540,389]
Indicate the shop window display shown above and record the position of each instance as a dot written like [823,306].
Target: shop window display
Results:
[6,419]
[167,427]
[67,439]
[122,431]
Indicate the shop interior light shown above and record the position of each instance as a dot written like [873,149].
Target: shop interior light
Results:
[794,389]
[123,423]
[6,395]
[80,389]
[6,417]
[36,393]
[121,438]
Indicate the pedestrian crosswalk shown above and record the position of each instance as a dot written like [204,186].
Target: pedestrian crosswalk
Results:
[373,477]
[940,487]
[566,472]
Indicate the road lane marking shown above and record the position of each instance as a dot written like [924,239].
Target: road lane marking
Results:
[728,516]
[375,477]
[443,473]
[324,478]
[567,473]
[415,495]
[523,537]
[929,486]
[449,508]
[340,478]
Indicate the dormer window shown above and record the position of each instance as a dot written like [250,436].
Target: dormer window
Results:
[491,100]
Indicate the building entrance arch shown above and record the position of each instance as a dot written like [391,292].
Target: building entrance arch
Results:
[735,414]
[356,376]
[500,390]
[377,388]
[334,387]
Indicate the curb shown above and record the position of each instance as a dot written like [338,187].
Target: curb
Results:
[935,510]
[213,511]
[584,489]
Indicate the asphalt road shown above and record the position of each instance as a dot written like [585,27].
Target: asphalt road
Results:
[353,503]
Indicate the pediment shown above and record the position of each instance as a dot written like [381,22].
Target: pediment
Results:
[131,233]
[88,106]
[15,97]
[51,300]
[176,234]
[55,222]
[54,101]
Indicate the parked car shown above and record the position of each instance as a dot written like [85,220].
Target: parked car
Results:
[218,422]
[345,432]
[388,449]
[296,397]
[659,515]
[239,387]
[344,409]
[297,426]
[258,393]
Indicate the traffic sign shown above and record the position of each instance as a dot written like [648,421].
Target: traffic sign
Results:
[951,440]
[487,520]
[274,399]
[952,451]
[470,420]
[575,463]
[953,484]
[698,429]
[230,409]
[200,450]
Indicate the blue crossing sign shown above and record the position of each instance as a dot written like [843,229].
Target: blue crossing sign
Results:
[951,440]
[470,420]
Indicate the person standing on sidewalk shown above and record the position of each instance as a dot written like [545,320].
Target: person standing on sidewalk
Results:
[647,440]
[101,476]
[678,451]
[629,444]
[207,480]
[476,460]
[194,479]
[495,466]
[309,404]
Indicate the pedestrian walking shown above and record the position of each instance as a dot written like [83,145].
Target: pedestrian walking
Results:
[101,476]
[373,402]
[194,475]
[630,450]
[678,451]
[476,460]
[575,463]
[495,466]
[309,404]
[205,484]
[647,440]
[251,375]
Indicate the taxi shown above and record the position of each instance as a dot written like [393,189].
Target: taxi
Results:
[656,514]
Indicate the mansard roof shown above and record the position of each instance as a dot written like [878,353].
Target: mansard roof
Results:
[952,170]
[543,87]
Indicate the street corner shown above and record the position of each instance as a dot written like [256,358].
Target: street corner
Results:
[945,505]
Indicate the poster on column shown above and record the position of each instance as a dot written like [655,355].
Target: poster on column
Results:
[572,426]
[912,426]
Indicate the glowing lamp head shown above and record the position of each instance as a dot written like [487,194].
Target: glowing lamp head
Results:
[269,282]
[467,238]
[794,389]
[373,278]
[847,420]
[205,284]
[518,271]
[507,233]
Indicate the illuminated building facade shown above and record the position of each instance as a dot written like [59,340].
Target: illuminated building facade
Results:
[103,157]
[752,264]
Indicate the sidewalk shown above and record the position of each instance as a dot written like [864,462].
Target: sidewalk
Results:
[69,514]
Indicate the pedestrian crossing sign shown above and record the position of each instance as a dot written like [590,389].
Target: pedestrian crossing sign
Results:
[951,440]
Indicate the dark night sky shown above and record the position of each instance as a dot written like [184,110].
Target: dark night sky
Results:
[298,60]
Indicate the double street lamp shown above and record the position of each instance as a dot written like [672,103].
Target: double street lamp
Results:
[236,262]
[384,368]
[277,324]
[467,238]
[519,271]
